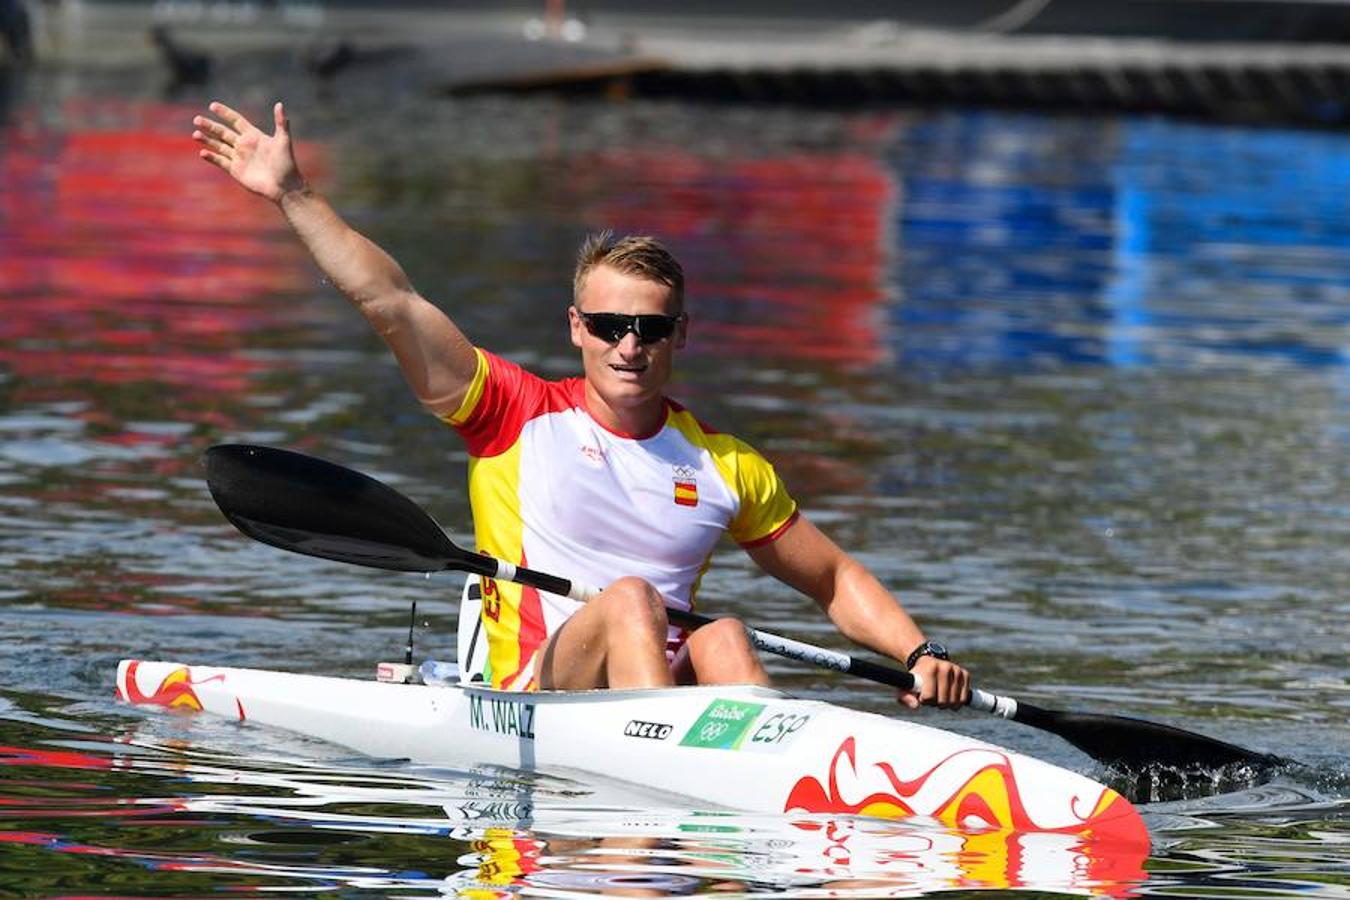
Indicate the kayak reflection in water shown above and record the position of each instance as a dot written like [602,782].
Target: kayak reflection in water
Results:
[598,476]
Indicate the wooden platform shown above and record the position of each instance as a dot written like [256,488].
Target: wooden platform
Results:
[1307,83]
[703,53]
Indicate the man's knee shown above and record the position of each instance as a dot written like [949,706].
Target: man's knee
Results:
[721,652]
[724,636]
[632,603]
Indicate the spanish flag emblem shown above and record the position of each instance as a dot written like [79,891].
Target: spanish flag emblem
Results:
[686,492]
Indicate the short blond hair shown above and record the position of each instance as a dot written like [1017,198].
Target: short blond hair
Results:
[640,255]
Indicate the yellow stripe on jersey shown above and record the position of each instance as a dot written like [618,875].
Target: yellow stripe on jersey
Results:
[473,395]
[763,503]
[494,483]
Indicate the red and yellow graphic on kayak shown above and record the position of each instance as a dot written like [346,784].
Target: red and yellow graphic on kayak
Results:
[176,691]
[973,789]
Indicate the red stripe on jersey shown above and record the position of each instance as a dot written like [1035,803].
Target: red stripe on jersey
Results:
[532,633]
[775,534]
[511,397]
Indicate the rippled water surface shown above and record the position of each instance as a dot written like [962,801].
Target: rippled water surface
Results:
[1076,388]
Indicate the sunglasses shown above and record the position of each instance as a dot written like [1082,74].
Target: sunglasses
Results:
[611,327]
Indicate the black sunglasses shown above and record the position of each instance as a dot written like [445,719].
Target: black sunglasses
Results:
[611,327]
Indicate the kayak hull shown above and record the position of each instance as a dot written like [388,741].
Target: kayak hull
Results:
[745,748]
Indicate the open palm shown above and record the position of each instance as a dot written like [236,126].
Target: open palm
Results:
[263,163]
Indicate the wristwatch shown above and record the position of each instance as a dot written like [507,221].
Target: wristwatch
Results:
[927,648]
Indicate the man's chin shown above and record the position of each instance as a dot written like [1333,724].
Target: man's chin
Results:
[624,392]
[627,394]
[627,383]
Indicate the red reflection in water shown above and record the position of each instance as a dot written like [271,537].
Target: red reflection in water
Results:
[157,861]
[82,806]
[786,256]
[58,759]
[124,258]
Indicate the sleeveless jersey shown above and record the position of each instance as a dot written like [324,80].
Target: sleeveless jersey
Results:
[553,489]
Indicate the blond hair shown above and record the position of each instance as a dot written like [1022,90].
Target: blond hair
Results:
[639,255]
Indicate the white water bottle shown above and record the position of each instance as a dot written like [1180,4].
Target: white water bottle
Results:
[437,672]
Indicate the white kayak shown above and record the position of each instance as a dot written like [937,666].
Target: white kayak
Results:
[745,748]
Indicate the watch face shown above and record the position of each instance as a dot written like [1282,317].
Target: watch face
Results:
[927,648]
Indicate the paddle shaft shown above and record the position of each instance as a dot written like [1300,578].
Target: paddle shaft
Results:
[821,657]
[1110,739]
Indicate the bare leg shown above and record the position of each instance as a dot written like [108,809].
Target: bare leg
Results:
[617,640]
[719,653]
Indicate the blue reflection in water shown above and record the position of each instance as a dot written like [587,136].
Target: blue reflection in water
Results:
[1151,243]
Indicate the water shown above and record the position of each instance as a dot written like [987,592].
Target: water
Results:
[1076,388]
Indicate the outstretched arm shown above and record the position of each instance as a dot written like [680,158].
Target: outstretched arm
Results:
[864,611]
[437,359]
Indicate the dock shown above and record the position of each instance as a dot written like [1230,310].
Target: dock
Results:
[961,53]
[871,66]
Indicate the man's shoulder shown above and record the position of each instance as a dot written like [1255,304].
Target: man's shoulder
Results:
[507,397]
[684,418]
[526,384]
[700,431]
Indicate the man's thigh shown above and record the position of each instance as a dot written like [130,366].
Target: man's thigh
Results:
[573,659]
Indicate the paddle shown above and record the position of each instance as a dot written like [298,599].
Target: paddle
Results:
[318,508]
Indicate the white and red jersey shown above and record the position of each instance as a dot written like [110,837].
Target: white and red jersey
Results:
[553,489]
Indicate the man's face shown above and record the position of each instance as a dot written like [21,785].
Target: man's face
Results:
[628,373]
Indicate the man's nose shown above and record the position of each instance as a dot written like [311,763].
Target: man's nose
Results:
[629,345]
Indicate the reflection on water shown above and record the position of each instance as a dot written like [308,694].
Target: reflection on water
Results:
[1077,388]
[787,253]
[205,802]
[1139,245]
[121,267]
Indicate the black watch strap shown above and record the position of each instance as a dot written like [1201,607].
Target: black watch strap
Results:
[927,648]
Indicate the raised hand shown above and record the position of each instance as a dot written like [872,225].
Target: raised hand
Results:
[263,163]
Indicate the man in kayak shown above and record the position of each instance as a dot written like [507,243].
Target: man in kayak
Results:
[598,476]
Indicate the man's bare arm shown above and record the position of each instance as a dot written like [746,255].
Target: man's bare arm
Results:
[437,360]
[861,608]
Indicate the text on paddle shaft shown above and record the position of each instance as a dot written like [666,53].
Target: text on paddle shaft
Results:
[502,716]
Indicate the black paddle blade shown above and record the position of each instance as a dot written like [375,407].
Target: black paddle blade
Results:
[318,508]
[1134,744]
[1148,762]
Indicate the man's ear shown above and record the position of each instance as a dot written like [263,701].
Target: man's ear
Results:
[682,331]
[575,326]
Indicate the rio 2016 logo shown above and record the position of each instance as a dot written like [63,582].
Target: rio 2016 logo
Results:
[736,725]
[722,726]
